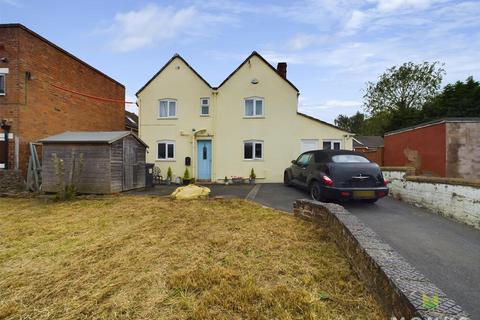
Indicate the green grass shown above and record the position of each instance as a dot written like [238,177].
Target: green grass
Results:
[151,258]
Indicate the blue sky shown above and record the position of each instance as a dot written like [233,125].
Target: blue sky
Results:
[333,47]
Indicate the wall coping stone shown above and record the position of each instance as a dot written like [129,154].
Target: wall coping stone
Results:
[397,285]
[442,180]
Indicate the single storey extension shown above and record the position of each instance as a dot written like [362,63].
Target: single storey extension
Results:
[249,121]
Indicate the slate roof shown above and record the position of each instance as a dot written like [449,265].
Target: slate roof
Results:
[368,141]
[131,120]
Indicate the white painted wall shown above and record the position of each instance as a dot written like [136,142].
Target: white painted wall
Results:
[458,202]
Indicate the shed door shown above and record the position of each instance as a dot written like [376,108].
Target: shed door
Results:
[128,164]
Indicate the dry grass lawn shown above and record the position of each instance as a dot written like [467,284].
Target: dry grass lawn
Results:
[150,258]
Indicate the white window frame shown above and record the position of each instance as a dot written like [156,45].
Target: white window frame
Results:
[255,115]
[4,76]
[332,142]
[253,142]
[167,142]
[204,105]
[169,116]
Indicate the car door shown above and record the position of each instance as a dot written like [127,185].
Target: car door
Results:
[299,169]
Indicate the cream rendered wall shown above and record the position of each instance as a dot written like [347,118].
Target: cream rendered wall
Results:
[176,81]
[281,128]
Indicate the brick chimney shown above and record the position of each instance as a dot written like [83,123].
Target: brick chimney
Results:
[282,69]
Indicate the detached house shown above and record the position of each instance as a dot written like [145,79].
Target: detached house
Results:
[249,121]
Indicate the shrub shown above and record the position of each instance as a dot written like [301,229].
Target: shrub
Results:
[186,174]
[252,174]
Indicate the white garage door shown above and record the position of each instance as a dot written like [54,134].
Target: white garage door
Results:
[308,144]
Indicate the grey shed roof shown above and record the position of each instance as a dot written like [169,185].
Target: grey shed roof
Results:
[90,137]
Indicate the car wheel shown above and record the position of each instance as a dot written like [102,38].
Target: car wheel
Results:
[370,200]
[316,192]
[286,179]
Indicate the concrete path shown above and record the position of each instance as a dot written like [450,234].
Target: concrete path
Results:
[448,253]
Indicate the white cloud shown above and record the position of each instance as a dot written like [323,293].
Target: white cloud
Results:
[15,3]
[132,107]
[154,24]
[301,41]
[394,5]
[356,20]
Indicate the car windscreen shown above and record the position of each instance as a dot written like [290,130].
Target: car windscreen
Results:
[342,158]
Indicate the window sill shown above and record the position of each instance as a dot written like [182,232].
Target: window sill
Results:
[165,160]
[249,160]
[2,94]
[205,115]
[255,117]
[167,118]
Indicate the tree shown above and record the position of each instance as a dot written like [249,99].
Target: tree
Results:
[403,88]
[461,99]
[353,124]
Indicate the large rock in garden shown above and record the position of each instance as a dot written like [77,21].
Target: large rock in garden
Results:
[190,192]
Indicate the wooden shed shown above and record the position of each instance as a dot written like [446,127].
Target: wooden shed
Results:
[111,162]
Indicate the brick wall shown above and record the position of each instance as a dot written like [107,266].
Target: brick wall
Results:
[11,181]
[421,148]
[450,197]
[46,110]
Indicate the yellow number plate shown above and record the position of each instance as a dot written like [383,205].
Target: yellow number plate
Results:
[364,194]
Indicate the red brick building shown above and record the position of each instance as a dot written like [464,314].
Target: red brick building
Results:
[445,148]
[44,90]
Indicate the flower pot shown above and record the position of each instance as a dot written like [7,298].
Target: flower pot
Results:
[186,182]
[252,181]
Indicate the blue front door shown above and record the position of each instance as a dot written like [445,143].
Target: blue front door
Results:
[204,159]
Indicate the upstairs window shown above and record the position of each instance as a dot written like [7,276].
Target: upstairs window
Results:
[166,150]
[168,108]
[253,150]
[331,145]
[204,106]
[254,107]
[2,84]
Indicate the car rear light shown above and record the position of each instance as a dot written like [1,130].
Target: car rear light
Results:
[381,194]
[345,194]
[327,180]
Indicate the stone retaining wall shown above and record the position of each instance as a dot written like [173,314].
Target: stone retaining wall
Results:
[397,285]
[11,181]
[454,198]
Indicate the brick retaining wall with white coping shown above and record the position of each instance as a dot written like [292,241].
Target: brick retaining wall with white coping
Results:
[450,197]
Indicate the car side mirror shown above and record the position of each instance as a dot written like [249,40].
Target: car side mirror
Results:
[294,161]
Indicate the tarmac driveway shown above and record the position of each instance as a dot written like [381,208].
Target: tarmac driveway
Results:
[445,251]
